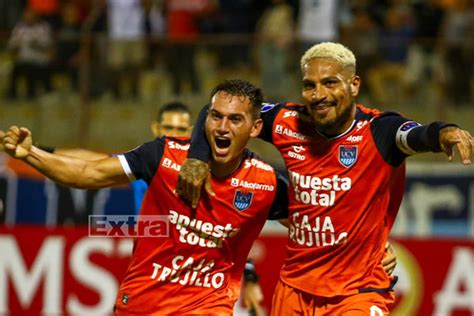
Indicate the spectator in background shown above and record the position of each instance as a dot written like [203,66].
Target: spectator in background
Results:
[155,27]
[361,34]
[182,32]
[31,43]
[275,33]
[237,17]
[457,44]
[318,21]
[67,51]
[47,10]
[424,60]
[388,79]
[127,47]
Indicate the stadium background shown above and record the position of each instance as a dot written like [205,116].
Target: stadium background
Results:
[48,264]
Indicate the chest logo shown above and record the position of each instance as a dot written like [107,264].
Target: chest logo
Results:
[242,200]
[347,155]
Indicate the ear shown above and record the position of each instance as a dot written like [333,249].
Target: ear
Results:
[355,86]
[155,128]
[256,128]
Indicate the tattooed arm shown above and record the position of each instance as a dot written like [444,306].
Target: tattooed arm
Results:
[193,174]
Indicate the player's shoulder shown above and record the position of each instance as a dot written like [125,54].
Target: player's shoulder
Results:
[364,113]
[252,160]
[267,107]
[177,143]
[289,110]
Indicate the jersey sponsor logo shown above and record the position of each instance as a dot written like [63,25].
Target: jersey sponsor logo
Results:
[267,107]
[318,191]
[257,163]
[347,155]
[189,272]
[361,124]
[242,200]
[298,148]
[317,232]
[295,153]
[168,163]
[354,138]
[194,231]
[174,145]
[251,185]
[288,132]
[408,126]
[288,114]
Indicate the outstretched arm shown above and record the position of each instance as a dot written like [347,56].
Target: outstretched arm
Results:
[80,153]
[70,152]
[397,137]
[69,171]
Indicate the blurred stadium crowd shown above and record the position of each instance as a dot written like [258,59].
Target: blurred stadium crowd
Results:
[414,56]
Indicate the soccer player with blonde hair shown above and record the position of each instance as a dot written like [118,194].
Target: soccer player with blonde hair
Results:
[346,164]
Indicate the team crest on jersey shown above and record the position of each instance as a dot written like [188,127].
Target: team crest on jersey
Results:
[242,200]
[347,155]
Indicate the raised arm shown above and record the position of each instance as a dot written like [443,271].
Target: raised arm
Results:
[80,153]
[66,170]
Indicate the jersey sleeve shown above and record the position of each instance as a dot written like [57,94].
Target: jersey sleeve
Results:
[268,114]
[143,161]
[279,208]
[397,137]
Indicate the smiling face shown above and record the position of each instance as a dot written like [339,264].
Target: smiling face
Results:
[229,126]
[329,92]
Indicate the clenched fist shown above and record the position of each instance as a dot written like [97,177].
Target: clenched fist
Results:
[17,142]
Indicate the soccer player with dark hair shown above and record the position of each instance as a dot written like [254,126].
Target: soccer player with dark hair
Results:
[346,164]
[196,269]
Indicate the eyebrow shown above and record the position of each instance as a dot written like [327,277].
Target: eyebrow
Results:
[229,115]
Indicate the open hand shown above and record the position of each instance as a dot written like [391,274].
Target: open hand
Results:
[462,139]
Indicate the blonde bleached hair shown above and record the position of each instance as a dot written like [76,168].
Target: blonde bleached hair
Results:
[329,50]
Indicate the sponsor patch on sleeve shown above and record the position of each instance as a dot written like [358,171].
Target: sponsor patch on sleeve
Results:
[267,107]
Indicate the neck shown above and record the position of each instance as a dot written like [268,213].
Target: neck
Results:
[222,170]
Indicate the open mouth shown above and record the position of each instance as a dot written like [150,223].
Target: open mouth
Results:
[222,142]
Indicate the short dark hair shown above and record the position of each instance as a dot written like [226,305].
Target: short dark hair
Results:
[237,87]
[174,106]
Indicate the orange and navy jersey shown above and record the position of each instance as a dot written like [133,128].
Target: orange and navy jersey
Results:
[344,194]
[198,267]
